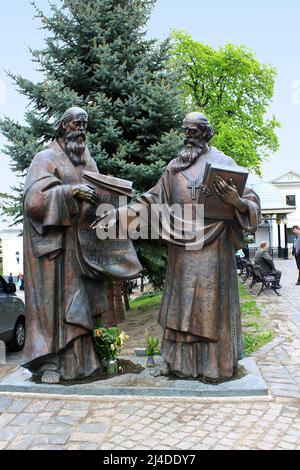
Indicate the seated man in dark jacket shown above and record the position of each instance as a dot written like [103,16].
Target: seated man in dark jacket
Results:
[264,261]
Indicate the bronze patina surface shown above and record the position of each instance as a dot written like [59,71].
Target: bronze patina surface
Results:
[65,290]
[200,311]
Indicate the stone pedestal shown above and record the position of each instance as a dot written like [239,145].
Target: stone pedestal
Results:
[251,384]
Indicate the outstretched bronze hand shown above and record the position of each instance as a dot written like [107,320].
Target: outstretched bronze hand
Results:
[229,194]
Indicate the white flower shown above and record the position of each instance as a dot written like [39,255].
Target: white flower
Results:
[123,336]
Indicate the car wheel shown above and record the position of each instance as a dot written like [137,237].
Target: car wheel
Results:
[18,340]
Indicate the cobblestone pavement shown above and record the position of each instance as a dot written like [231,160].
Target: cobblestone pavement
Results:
[40,422]
[279,361]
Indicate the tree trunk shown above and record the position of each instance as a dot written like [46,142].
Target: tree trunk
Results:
[126,296]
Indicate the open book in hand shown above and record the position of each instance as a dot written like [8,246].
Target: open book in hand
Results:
[110,190]
[117,185]
[105,255]
[214,206]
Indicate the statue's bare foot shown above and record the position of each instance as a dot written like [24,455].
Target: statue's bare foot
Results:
[162,370]
[50,377]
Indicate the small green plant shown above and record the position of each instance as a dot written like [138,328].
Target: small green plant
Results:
[250,307]
[252,342]
[152,345]
[109,341]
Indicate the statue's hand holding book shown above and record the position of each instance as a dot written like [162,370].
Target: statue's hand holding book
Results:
[225,186]
[86,192]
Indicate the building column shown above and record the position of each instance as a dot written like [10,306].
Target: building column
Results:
[286,250]
[278,222]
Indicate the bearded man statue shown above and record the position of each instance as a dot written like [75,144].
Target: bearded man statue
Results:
[61,306]
[200,312]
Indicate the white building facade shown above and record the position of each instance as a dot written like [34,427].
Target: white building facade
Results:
[289,186]
[276,217]
[12,247]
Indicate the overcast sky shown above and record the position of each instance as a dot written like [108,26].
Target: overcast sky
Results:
[270,27]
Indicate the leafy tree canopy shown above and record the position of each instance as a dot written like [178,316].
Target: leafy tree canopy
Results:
[234,90]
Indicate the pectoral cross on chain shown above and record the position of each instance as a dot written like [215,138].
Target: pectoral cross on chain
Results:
[193,185]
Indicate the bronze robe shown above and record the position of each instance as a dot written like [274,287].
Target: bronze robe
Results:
[200,311]
[62,305]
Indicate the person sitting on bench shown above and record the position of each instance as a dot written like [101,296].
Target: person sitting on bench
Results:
[264,261]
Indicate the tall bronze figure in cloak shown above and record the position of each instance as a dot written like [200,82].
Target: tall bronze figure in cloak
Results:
[200,311]
[62,305]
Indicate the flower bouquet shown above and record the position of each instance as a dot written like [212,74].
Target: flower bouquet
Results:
[108,344]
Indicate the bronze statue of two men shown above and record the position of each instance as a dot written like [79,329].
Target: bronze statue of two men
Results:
[199,313]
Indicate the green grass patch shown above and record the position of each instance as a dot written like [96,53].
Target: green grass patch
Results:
[252,324]
[249,307]
[256,329]
[146,301]
[253,342]
[245,292]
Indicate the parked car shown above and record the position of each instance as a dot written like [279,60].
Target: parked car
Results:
[12,316]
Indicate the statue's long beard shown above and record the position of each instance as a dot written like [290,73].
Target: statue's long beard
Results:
[188,155]
[75,148]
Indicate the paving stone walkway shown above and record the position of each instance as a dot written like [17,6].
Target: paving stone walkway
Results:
[279,361]
[40,422]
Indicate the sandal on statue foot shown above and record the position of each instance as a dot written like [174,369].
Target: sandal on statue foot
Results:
[163,370]
[50,377]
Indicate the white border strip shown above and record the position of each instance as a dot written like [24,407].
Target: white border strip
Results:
[99,398]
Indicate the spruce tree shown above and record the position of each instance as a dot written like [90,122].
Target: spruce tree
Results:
[97,56]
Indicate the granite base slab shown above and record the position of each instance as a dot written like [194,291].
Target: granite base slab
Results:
[144,384]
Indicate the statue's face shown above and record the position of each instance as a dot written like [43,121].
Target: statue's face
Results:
[74,137]
[192,133]
[79,123]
